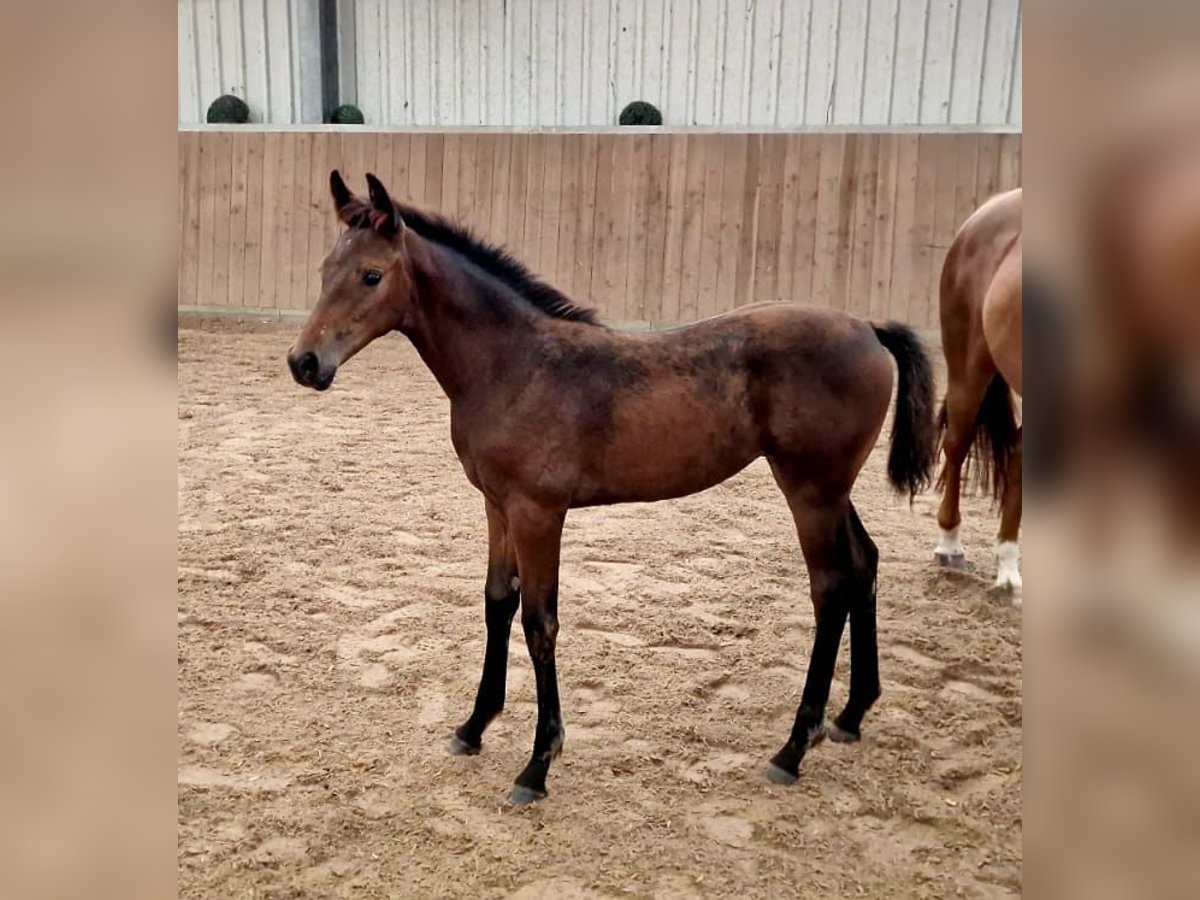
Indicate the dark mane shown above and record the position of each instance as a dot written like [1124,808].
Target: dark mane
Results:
[492,259]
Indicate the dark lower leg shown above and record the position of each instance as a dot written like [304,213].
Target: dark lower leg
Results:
[540,635]
[489,700]
[864,667]
[810,717]
[864,649]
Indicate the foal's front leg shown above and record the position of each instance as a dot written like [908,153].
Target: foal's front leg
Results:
[501,597]
[537,536]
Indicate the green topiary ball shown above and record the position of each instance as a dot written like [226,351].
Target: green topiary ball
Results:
[347,114]
[228,110]
[639,112]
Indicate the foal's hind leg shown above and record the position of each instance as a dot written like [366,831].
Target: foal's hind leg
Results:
[963,399]
[501,597]
[841,574]
[864,648]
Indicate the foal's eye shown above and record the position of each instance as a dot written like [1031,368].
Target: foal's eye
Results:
[372,277]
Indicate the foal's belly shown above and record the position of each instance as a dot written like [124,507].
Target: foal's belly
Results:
[661,451]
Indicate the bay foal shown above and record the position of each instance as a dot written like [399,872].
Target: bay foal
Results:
[549,410]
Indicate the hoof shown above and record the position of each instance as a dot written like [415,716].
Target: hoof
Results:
[841,736]
[459,747]
[523,796]
[776,775]
[956,562]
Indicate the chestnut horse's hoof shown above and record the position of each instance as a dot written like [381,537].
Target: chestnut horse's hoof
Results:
[776,775]
[459,747]
[523,796]
[954,561]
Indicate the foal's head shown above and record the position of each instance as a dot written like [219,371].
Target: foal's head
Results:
[367,285]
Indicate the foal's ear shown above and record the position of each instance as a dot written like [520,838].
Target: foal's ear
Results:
[387,219]
[341,194]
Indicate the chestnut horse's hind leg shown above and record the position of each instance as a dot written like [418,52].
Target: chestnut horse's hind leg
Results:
[537,536]
[501,597]
[841,566]
[1008,570]
[963,399]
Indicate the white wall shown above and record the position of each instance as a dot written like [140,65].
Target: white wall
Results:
[265,51]
[734,63]
[731,63]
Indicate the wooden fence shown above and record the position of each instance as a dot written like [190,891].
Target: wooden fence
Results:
[649,228]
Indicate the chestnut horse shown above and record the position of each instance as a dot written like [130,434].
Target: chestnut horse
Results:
[550,410]
[980,298]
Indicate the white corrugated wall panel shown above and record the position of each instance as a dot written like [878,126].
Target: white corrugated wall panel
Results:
[265,51]
[520,63]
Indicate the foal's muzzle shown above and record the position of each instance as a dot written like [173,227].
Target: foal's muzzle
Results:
[308,372]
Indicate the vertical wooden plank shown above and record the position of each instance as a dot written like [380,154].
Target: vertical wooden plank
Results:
[617,251]
[769,218]
[699,148]
[221,224]
[547,193]
[485,151]
[675,209]
[303,148]
[862,231]
[650,296]
[1010,162]
[209,154]
[602,224]
[465,176]
[813,148]
[733,187]
[568,215]
[356,164]
[335,158]
[397,149]
[531,198]
[945,218]
[585,242]
[451,205]
[828,214]
[710,240]
[904,229]
[189,258]
[634,288]
[285,218]
[273,148]
[880,287]
[518,180]
[252,261]
[318,216]
[500,199]
[743,282]
[987,172]
[966,163]
[381,165]
[424,171]
[435,174]
[235,262]
[790,204]
[922,298]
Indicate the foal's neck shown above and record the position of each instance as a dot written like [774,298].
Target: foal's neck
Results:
[466,324]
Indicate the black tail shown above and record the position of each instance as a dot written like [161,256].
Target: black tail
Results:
[914,433]
[993,440]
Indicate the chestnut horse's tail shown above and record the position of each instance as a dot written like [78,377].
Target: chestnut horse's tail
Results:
[914,433]
[993,442]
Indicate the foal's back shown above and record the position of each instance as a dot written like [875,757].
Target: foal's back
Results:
[662,414]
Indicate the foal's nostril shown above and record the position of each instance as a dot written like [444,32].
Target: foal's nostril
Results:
[304,367]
